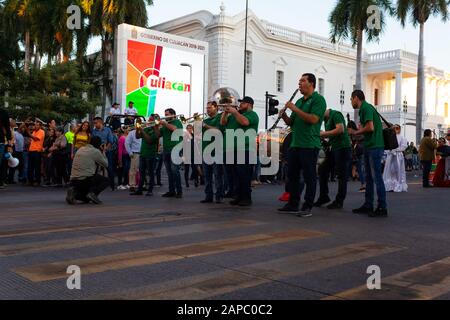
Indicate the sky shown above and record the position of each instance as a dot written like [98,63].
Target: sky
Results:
[312,16]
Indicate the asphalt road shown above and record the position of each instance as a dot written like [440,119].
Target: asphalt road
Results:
[154,248]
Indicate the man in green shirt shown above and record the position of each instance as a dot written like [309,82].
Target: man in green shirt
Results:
[165,130]
[240,175]
[212,169]
[372,129]
[305,121]
[339,158]
[147,158]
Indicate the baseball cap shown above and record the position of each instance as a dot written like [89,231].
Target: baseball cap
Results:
[247,100]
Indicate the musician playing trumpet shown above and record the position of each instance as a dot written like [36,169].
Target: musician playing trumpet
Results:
[211,170]
[305,121]
[240,174]
[165,129]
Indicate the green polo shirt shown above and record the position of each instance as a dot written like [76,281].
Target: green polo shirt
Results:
[233,124]
[212,122]
[372,140]
[168,144]
[306,135]
[341,141]
[149,150]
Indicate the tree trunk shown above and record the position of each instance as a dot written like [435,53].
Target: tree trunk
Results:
[107,74]
[27,52]
[420,85]
[358,84]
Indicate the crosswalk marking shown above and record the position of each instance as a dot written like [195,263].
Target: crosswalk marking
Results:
[422,283]
[111,238]
[94,225]
[57,270]
[221,282]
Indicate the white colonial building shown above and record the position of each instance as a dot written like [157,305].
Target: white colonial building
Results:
[277,56]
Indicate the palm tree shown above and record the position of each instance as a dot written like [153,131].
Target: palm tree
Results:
[419,12]
[105,16]
[349,21]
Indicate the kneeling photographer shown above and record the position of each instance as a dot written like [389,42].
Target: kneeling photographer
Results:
[87,184]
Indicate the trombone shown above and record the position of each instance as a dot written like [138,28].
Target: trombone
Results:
[157,122]
[196,118]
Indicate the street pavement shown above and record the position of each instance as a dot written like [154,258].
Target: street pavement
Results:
[155,248]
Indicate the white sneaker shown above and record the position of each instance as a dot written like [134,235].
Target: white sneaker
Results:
[121,188]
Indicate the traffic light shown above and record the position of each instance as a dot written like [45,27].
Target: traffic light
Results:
[272,107]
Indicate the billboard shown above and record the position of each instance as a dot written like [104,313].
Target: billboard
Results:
[158,71]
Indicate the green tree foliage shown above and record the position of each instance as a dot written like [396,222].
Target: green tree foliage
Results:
[54,92]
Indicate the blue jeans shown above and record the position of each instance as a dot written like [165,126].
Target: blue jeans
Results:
[216,171]
[111,168]
[360,169]
[302,160]
[173,173]
[372,165]
[2,154]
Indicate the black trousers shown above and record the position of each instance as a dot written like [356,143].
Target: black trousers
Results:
[34,167]
[302,160]
[12,171]
[60,162]
[426,165]
[147,170]
[242,177]
[339,160]
[95,184]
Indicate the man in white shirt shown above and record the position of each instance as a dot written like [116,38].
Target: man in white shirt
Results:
[130,111]
[133,146]
[115,111]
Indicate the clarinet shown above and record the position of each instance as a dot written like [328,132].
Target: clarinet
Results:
[284,110]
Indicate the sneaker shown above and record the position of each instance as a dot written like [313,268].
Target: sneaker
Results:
[305,212]
[289,209]
[179,196]
[362,189]
[93,197]
[136,193]
[229,195]
[70,198]
[379,213]
[132,189]
[362,210]
[245,203]
[335,206]
[321,202]
[121,188]
[207,201]
[169,195]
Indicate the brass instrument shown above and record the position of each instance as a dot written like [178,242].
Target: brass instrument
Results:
[195,118]
[157,122]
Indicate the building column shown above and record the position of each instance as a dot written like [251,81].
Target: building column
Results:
[398,91]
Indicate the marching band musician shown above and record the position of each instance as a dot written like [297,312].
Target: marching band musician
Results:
[147,157]
[305,121]
[215,169]
[246,119]
[165,130]
[340,157]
